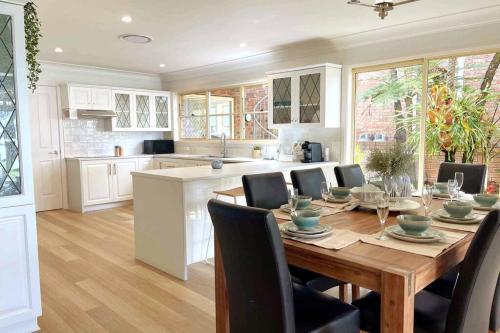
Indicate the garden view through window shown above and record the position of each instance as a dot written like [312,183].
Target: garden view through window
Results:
[461,114]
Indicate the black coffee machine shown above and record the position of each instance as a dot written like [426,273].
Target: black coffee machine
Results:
[312,152]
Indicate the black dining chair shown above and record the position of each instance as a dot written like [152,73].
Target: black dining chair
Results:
[349,175]
[261,295]
[269,191]
[308,181]
[474,175]
[470,307]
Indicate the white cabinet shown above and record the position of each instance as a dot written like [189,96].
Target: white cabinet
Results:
[79,97]
[169,163]
[102,99]
[142,111]
[84,97]
[306,96]
[145,163]
[95,184]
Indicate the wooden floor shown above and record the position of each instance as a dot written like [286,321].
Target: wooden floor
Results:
[91,282]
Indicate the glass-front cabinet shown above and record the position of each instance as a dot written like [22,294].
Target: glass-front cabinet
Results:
[20,303]
[141,111]
[307,96]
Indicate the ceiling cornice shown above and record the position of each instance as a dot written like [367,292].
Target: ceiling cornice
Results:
[16,2]
[453,22]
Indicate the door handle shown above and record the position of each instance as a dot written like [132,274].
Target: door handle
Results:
[55,152]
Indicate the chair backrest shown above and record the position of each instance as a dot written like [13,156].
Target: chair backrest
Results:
[308,182]
[495,309]
[258,281]
[349,175]
[472,299]
[474,175]
[267,190]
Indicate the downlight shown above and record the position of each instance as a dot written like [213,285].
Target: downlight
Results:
[136,39]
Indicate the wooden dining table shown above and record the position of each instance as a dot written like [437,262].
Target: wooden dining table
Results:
[395,274]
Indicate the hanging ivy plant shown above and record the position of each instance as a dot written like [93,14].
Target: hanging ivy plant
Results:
[32,33]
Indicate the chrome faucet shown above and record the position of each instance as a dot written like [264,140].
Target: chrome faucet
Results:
[223,142]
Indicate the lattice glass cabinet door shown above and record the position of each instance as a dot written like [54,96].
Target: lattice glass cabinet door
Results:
[10,171]
[310,98]
[282,100]
[143,111]
[123,107]
[162,111]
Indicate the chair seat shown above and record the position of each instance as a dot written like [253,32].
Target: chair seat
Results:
[445,284]
[316,312]
[312,279]
[431,311]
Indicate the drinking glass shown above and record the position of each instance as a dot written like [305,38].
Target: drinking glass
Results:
[383,213]
[325,191]
[397,187]
[293,200]
[427,197]
[459,178]
[452,188]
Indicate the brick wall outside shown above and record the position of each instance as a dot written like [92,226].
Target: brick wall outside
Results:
[374,119]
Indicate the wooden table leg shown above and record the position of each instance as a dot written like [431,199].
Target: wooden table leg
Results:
[355,292]
[221,303]
[344,292]
[398,301]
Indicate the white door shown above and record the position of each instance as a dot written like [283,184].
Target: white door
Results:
[97,185]
[45,143]
[123,179]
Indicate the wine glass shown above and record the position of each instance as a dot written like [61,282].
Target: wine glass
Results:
[383,213]
[459,178]
[397,187]
[427,197]
[388,186]
[293,200]
[325,191]
[452,188]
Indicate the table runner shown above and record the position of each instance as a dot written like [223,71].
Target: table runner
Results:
[428,249]
[337,240]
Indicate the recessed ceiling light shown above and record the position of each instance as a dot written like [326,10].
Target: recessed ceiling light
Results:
[126,19]
[162,65]
[58,50]
[243,44]
[137,39]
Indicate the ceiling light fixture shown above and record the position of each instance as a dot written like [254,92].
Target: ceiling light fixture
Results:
[136,39]
[243,44]
[382,7]
[162,65]
[58,50]
[126,19]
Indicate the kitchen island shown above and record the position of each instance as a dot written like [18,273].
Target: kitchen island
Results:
[171,221]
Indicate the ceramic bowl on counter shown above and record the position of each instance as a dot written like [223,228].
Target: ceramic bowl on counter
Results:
[414,224]
[458,209]
[306,219]
[485,200]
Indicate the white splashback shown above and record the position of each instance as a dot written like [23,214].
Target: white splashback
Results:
[328,137]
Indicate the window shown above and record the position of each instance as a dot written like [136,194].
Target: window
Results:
[461,117]
[238,112]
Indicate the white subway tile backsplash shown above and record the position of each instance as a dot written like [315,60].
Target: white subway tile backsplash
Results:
[89,137]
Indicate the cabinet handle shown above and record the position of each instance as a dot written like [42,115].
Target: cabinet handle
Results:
[109,169]
[114,169]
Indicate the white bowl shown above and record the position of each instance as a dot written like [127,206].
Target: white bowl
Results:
[367,194]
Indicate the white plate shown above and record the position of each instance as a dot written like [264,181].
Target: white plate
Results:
[310,207]
[444,214]
[437,235]
[476,206]
[319,229]
[437,217]
[403,205]
[294,235]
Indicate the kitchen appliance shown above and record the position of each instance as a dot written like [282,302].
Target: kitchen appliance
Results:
[312,152]
[158,146]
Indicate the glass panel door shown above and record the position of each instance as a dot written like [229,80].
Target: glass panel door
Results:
[143,111]
[310,98]
[282,100]
[122,109]
[10,171]
[161,111]
[388,112]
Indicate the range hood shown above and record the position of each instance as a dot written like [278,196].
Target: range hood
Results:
[95,113]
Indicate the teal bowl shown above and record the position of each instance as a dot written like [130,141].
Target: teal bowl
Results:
[441,187]
[458,209]
[306,219]
[486,200]
[340,192]
[304,202]
[414,224]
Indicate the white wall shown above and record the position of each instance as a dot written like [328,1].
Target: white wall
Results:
[441,36]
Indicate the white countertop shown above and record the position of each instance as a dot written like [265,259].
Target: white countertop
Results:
[228,170]
[110,157]
[175,156]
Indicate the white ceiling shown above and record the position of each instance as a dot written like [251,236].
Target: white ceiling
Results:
[193,33]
